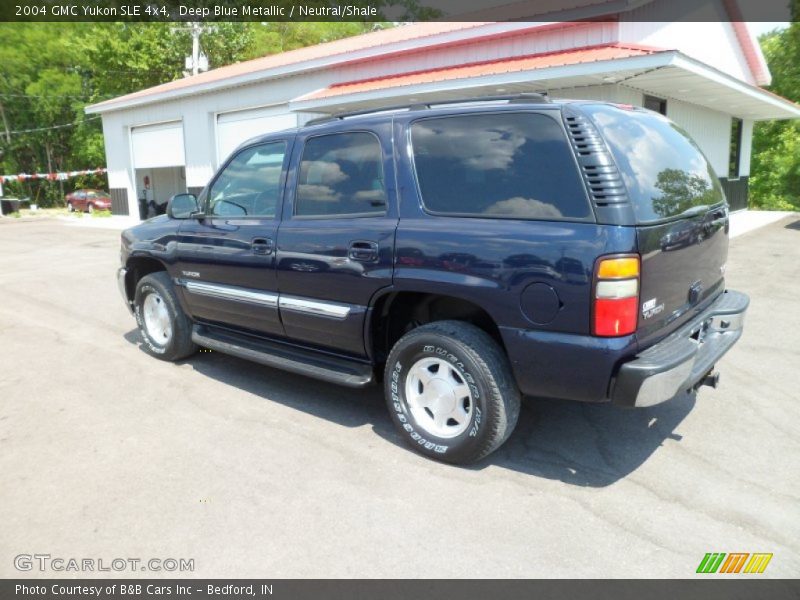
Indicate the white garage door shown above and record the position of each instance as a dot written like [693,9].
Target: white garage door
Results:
[236,127]
[158,145]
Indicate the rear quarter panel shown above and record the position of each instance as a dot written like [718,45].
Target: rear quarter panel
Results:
[491,262]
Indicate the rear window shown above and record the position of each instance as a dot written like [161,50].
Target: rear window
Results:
[502,165]
[665,172]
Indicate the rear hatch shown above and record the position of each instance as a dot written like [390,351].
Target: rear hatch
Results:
[681,215]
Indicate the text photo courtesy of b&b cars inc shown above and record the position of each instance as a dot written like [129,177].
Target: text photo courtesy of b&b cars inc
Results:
[400,299]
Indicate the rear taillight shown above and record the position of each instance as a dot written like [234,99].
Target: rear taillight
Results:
[615,296]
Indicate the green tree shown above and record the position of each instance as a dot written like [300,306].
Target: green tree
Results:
[680,191]
[52,71]
[775,171]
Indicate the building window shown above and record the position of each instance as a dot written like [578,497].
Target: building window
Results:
[655,104]
[736,148]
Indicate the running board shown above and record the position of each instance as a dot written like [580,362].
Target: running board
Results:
[333,369]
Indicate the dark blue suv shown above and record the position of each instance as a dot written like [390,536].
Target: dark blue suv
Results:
[464,254]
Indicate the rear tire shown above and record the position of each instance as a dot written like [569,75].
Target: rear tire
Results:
[90,208]
[70,208]
[450,392]
[165,328]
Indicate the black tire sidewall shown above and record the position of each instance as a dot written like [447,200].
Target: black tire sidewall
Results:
[467,446]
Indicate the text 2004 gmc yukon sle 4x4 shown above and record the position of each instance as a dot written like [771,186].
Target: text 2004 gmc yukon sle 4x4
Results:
[464,254]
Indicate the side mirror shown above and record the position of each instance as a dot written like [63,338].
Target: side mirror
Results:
[182,206]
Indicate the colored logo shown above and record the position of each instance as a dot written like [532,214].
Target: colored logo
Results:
[735,562]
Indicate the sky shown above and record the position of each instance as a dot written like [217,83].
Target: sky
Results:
[759,28]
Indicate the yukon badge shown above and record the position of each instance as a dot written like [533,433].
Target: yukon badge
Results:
[194,274]
[650,308]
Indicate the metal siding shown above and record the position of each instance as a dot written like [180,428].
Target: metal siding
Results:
[118,158]
[234,128]
[704,33]
[709,128]
[747,148]
[605,93]
[119,201]
[552,40]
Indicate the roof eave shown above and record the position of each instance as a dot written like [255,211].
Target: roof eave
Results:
[405,46]
[775,107]
[789,108]
[595,68]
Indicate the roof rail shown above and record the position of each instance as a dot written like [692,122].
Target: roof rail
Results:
[527,97]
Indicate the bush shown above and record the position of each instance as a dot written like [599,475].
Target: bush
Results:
[775,175]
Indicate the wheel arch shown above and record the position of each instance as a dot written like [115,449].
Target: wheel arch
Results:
[138,267]
[394,313]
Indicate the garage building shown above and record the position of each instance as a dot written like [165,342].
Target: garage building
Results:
[705,76]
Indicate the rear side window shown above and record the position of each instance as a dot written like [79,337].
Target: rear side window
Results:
[341,174]
[665,172]
[503,165]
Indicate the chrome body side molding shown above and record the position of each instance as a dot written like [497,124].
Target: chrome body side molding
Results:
[333,310]
[229,292]
[318,308]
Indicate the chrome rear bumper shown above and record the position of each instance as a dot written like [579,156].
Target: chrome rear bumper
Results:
[682,360]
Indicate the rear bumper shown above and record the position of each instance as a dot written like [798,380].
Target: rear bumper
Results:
[682,359]
[122,273]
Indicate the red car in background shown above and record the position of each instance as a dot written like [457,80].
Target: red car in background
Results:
[88,200]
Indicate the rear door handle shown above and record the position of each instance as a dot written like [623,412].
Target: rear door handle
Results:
[262,246]
[363,251]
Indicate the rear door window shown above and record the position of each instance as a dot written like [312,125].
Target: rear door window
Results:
[501,165]
[341,175]
[664,171]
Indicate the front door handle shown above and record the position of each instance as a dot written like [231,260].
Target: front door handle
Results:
[262,246]
[363,251]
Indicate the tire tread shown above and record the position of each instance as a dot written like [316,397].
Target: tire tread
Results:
[491,359]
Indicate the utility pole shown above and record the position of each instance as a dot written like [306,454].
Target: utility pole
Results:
[196,31]
[198,61]
[5,123]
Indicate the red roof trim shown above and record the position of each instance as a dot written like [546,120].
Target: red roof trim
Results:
[571,56]
[751,53]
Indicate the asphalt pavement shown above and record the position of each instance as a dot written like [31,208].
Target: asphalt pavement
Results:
[107,453]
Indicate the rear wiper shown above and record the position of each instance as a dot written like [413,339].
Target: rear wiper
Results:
[694,211]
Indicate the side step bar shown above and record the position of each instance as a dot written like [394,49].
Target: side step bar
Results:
[333,369]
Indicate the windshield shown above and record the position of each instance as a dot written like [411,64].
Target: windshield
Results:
[664,171]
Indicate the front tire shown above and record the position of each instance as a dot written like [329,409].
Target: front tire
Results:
[70,208]
[90,208]
[450,392]
[165,328]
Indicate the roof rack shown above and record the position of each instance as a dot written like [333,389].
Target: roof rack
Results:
[522,98]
